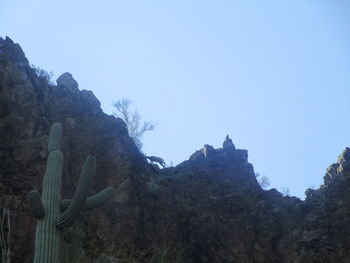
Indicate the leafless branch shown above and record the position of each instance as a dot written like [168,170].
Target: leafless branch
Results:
[132,120]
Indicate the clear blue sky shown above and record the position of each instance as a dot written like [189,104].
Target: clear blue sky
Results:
[274,75]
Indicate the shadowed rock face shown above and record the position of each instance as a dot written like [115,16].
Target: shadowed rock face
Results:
[209,208]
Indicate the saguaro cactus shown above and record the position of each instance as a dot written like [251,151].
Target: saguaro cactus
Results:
[53,213]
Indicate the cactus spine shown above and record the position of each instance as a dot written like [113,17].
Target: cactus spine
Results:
[47,209]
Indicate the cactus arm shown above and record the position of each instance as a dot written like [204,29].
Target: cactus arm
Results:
[35,204]
[80,196]
[93,201]
[99,198]
[65,203]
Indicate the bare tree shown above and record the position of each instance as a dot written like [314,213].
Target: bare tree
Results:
[285,191]
[132,119]
[263,180]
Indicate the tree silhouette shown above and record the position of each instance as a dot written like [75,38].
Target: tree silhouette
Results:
[132,119]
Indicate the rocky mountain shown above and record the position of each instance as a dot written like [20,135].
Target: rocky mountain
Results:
[209,208]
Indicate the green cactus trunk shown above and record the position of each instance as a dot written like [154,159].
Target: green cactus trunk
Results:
[47,236]
[47,209]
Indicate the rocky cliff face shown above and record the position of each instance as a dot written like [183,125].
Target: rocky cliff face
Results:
[209,208]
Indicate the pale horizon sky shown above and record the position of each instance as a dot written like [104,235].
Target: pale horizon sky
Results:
[273,75]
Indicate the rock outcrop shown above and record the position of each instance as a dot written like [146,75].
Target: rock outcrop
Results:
[209,208]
